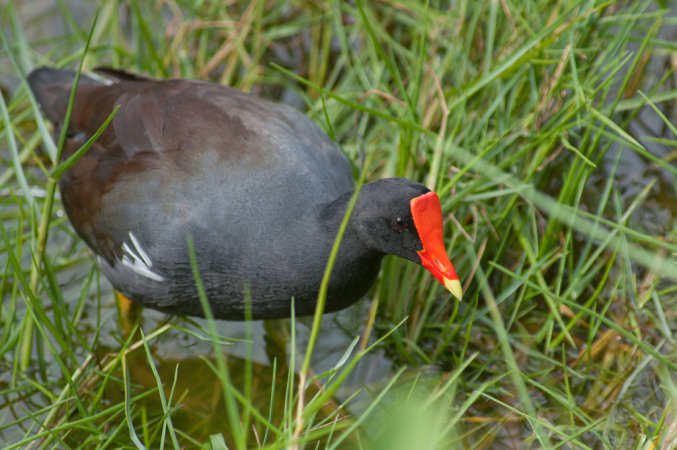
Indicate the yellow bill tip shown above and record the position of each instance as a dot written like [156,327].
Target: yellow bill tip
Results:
[454,286]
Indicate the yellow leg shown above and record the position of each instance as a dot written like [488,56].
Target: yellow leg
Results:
[276,338]
[128,311]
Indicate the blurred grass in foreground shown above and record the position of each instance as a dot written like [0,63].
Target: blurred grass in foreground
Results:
[548,129]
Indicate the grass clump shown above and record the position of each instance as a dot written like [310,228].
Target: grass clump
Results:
[546,128]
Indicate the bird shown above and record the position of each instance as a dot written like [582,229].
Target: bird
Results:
[256,186]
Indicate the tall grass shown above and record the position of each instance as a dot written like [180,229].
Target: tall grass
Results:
[545,126]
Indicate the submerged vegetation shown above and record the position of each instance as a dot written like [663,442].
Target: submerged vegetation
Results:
[547,128]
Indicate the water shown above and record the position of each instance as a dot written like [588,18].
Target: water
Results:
[198,392]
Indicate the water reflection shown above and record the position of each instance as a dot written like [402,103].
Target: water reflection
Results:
[184,359]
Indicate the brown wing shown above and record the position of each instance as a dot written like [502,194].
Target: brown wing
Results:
[171,126]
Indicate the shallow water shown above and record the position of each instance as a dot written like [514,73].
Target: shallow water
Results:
[198,390]
[200,409]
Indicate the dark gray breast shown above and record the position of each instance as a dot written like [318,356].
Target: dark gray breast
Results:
[246,179]
[243,177]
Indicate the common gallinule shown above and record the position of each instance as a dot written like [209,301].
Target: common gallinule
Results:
[258,186]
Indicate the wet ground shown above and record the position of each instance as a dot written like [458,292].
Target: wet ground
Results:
[200,407]
[189,357]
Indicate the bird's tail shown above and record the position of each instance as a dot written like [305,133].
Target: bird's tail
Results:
[52,88]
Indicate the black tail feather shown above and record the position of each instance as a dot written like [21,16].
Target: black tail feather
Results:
[52,87]
[120,75]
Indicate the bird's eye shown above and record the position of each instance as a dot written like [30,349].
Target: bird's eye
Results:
[399,224]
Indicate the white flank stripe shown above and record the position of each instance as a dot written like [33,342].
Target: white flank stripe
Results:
[140,250]
[138,260]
